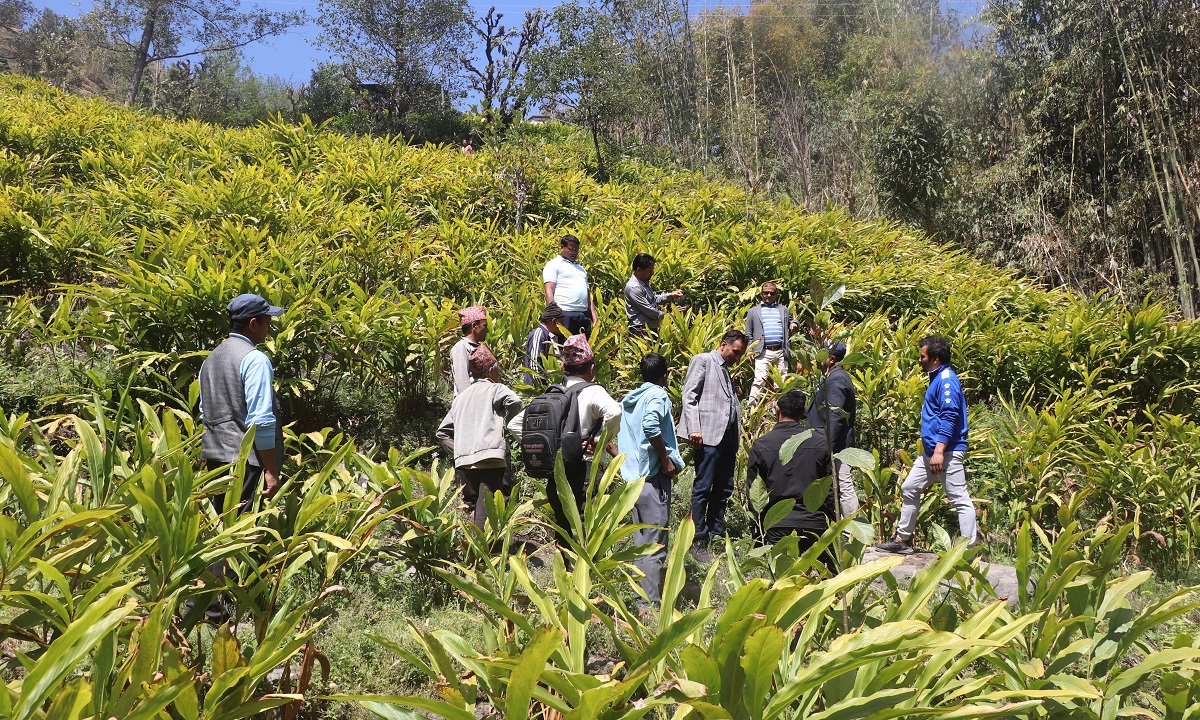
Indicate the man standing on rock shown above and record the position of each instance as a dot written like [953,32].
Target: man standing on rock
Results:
[566,283]
[237,393]
[647,439]
[711,422]
[769,325]
[835,407]
[474,332]
[641,302]
[944,437]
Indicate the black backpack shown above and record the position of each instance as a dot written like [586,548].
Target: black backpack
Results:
[552,424]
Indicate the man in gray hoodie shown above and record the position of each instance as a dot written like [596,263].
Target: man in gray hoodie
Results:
[473,431]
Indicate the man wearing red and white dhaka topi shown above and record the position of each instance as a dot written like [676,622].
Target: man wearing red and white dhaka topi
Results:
[474,331]
[598,413]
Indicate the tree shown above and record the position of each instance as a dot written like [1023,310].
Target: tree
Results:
[500,78]
[911,156]
[406,47]
[160,30]
[588,72]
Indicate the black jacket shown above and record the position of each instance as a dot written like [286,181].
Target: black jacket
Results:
[843,407]
[811,462]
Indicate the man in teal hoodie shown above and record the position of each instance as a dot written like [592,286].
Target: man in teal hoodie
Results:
[647,438]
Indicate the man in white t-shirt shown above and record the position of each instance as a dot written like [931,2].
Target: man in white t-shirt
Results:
[566,284]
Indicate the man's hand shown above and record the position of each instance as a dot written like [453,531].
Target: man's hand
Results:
[678,294]
[669,468]
[937,463]
[272,485]
[696,440]
[793,326]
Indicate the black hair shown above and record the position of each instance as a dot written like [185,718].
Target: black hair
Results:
[466,328]
[653,367]
[791,405]
[238,325]
[734,335]
[641,261]
[568,238]
[579,369]
[937,347]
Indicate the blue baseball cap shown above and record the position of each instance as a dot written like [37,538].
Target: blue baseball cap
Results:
[249,305]
[837,350]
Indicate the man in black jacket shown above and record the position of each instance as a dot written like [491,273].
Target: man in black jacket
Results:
[809,464]
[836,400]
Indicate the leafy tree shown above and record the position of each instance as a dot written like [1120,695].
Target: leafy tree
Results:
[151,31]
[329,93]
[500,77]
[588,73]
[911,156]
[409,49]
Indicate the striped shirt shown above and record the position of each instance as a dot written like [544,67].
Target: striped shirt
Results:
[772,324]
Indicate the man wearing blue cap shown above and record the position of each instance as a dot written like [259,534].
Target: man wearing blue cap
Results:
[237,393]
[834,407]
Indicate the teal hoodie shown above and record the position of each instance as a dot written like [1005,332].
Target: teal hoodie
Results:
[645,414]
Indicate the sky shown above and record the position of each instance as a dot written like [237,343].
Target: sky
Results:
[293,56]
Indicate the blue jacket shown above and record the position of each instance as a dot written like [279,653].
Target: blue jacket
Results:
[645,414]
[944,413]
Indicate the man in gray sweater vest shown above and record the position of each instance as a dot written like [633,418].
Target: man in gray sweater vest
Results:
[237,394]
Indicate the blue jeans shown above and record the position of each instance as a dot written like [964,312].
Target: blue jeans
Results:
[714,484]
[578,322]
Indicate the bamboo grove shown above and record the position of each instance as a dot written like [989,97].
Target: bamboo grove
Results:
[122,236]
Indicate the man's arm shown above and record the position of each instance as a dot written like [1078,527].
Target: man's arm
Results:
[445,431]
[643,303]
[549,286]
[948,414]
[835,400]
[693,386]
[592,307]
[257,381]
[652,421]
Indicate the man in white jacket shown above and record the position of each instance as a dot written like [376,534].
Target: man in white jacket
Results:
[473,431]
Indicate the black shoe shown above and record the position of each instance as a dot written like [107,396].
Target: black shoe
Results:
[701,554]
[896,547]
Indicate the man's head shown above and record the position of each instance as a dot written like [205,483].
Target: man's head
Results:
[250,316]
[790,406]
[551,317]
[733,346]
[837,353]
[474,323]
[769,293]
[569,247]
[483,364]
[578,360]
[643,266]
[935,352]
[654,369]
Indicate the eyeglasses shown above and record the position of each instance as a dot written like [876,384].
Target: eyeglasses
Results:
[769,293]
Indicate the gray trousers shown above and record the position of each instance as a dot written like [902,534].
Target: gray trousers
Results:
[954,481]
[653,507]
[847,496]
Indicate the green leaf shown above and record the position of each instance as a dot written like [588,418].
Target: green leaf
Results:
[760,659]
[529,669]
[857,457]
[853,708]
[70,702]
[778,512]
[817,493]
[788,450]
[226,652]
[376,703]
[759,495]
[13,471]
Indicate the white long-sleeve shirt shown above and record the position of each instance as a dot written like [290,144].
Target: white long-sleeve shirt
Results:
[594,404]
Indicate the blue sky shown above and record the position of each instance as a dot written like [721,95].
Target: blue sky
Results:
[293,56]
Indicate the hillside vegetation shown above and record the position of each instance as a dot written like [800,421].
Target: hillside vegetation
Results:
[123,236]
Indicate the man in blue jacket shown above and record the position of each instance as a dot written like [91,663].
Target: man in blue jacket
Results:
[944,437]
[647,439]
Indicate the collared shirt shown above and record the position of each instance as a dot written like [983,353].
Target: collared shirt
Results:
[641,304]
[570,284]
[809,463]
[734,407]
[772,318]
[258,379]
[460,362]
[597,412]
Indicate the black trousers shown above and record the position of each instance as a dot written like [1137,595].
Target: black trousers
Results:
[578,322]
[483,484]
[808,538]
[250,483]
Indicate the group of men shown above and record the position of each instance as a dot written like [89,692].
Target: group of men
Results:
[236,396]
